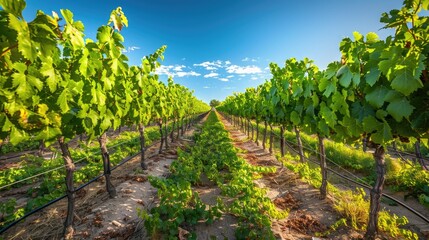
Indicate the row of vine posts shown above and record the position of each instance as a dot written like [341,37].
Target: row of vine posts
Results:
[378,92]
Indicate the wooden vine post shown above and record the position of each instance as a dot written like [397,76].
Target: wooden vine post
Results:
[323,167]
[271,138]
[282,140]
[102,140]
[299,142]
[264,138]
[376,193]
[161,133]
[143,164]
[70,168]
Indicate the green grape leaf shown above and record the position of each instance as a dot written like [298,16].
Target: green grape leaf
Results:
[48,133]
[358,37]
[391,58]
[63,101]
[52,79]
[79,26]
[339,103]
[315,99]
[425,4]
[360,111]
[68,15]
[114,66]
[381,114]
[7,125]
[331,70]
[372,76]
[83,61]
[400,108]
[356,79]
[42,109]
[421,123]
[25,44]
[327,86]
[370,124]
[345,76]
[371,37]
[76,39]
[105,124]
[118,18]
[328,115]
[72,33]
[87,125]
[405,82]
[18,78]
[17,136]
[381,132]
[118,38]
[376,96]
[392,95]
[15,7]
[352,126]
[103,34]
[323,128]
[23,89]
[146,66]
[35,82]
[383,135]
[294,117]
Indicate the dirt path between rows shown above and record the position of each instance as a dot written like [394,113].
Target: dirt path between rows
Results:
[308,214]
[98,216]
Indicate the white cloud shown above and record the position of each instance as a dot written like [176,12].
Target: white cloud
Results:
[164,70]
[228,88]
[130,49]
[230,76]
[246,59]
[185,74]
[224,79]
[213,65]
[175,70]
[254,78]
[179,68]
[211,75]
[243,70]
[206,87]
[207,64]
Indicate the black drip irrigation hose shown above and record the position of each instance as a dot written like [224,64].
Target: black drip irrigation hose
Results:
[125,160]
[55,168]
[2,158]
[383,194]
[367,187]
[31,213]
[397,152]
[363,185]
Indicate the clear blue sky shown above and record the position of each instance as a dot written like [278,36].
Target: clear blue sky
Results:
[217,47]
